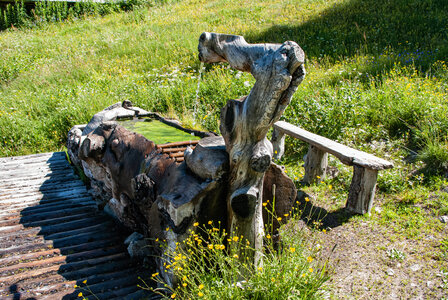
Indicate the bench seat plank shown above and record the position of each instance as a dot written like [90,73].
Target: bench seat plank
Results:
[347,155]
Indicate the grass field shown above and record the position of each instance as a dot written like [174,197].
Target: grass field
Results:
[377,80]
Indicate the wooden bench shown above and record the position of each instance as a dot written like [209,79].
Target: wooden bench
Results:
[365,166]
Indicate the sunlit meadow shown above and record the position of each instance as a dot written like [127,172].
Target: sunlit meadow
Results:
[377,80]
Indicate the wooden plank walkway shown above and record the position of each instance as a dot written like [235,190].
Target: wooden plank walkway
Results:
[52,237]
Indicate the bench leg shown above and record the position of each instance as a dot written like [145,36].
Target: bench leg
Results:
[362,190]
[315,165]
[278,143]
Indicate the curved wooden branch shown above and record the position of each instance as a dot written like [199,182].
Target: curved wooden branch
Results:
[278,70]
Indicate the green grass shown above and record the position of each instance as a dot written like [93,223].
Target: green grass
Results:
[377,80]
[158,132]
[210,264]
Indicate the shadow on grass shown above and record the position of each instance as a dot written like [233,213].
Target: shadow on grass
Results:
[409,32]
[320,218]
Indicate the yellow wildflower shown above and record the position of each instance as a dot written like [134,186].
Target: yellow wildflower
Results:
[184,284]
[173,296]
[265,203]
[196,224]
[279,219]
[200,294]
[235,256]
[210,246]
[307,199]
[210,222]
[155,274]
[292,249]
[80,294]
[268,236]
[260,269]
[85,281]
[310,270]
[309,259]
[201,286]
[235,239]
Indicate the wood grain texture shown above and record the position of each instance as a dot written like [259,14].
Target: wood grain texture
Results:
[278,70]
[347,155]
[52,237]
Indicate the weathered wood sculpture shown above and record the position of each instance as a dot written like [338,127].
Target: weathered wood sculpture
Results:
[220,180]
[278,70]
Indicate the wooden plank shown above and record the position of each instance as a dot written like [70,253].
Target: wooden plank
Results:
[48,216]
[55,228]
[168,150]
[42,188]
[34,162]
[24,209]
[177,154]
[24,244]
[69,192]
[63,209]
[57,252]
[33,156]
[35,179]
[52,236]
[75,247]
[15,168]
[347,155]
[177,144]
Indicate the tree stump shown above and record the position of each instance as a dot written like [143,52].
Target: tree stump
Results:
[278,70]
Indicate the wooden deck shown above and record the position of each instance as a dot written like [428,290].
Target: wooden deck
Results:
[52,237]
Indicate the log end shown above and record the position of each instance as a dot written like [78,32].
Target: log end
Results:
[243,201]
[260,163]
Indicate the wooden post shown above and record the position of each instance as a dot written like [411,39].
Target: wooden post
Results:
[278,70]
[316,162]
[362,190]
[278,143]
